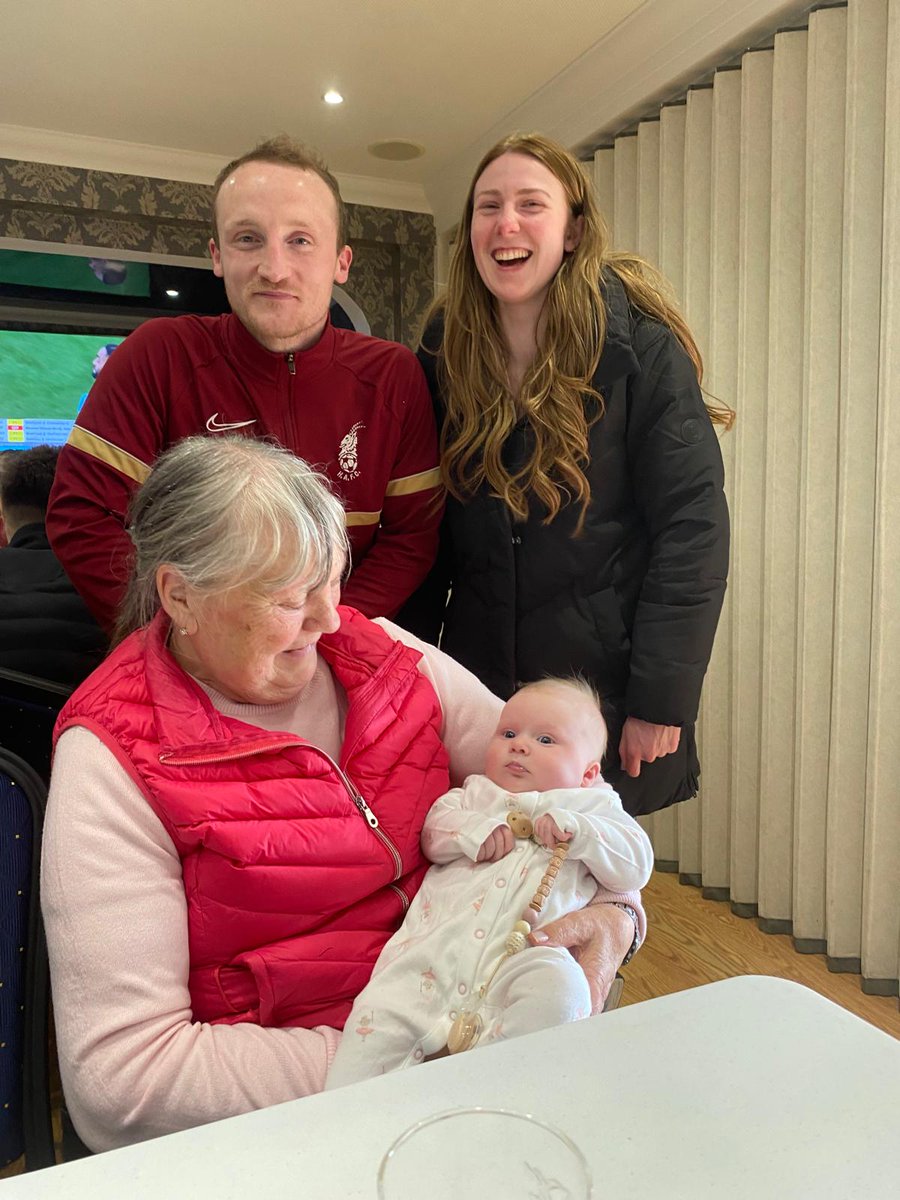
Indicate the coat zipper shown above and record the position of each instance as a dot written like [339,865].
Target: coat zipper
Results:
[353,792]
[289,412]
[369,817]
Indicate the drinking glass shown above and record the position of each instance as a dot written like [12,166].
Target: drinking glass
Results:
[483,1154]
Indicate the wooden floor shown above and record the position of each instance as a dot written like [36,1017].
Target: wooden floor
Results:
[692,941]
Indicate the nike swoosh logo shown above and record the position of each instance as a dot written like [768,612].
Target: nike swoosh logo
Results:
[215,426]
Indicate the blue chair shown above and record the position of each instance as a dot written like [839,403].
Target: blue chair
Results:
[28,710]
[25,1124]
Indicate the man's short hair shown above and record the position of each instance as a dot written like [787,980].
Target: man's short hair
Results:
[286,152]
[27,477]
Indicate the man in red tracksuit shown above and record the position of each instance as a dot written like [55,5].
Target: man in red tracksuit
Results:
[355,407]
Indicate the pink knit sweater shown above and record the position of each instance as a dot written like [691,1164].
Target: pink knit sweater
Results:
[134,1064]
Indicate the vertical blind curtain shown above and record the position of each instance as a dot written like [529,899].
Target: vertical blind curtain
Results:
[771,200]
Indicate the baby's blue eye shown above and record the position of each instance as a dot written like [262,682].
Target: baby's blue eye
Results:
[545,739]
[509,733]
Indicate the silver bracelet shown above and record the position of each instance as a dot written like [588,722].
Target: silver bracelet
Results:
[635,945]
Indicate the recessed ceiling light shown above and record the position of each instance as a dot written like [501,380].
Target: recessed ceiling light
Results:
[398,150]
[333,97]
[173,293]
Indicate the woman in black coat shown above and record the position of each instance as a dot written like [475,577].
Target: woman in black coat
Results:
[586,527]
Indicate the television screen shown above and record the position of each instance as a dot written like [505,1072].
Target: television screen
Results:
[44,381]
[72,273]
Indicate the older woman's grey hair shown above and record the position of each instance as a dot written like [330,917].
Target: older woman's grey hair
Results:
[225,512]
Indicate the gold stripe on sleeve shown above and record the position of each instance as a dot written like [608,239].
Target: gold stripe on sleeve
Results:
[414,483]
[361,518]
[113,456]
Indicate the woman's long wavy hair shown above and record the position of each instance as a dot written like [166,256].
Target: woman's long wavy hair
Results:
[481,411]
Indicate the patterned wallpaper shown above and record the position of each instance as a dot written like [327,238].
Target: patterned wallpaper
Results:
[393,252]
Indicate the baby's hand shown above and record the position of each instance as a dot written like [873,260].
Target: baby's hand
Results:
[496,845]
[548,833]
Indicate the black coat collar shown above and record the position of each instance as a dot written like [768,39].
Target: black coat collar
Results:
[30,537]
[618,357]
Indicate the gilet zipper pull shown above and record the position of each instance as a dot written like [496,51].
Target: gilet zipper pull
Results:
[290,363]
[370,818]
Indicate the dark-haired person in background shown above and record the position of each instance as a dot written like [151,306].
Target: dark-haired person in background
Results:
[45,629]
[273,368]
[101,358]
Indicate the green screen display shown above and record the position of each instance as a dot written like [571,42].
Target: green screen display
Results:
[72,273]
[44,380]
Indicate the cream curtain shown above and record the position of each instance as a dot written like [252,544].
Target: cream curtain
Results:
[771,200]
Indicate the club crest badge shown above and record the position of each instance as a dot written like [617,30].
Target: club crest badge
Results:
[348,453]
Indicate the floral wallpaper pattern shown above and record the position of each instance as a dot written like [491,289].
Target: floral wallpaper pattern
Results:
[393,252]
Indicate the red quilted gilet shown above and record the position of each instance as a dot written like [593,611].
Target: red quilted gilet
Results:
[296,869]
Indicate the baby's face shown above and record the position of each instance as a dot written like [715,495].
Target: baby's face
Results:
[544,739]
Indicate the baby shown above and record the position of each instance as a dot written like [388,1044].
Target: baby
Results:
[447,967]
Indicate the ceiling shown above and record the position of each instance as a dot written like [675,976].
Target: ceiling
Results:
[175,88]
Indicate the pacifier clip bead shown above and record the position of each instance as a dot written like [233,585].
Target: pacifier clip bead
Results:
[466,1029]
[533,911]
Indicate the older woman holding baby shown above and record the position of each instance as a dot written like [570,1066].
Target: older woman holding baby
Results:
[237,798]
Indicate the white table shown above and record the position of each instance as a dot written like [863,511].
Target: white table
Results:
[750,1088]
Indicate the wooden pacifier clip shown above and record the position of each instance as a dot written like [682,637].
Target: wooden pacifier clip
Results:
[466,1029]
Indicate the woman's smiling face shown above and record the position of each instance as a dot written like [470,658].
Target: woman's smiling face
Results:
[256,645]
[522,228]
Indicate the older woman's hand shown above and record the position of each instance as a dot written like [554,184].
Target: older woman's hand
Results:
[599,937]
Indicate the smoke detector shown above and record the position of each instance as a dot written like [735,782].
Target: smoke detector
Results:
[397,150]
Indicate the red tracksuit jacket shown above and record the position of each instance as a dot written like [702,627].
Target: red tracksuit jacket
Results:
[355,407]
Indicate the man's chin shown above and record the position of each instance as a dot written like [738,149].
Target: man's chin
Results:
[277,339]
[282,338]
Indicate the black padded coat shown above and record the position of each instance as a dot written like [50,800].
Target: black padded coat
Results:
[45,628]
[633,601]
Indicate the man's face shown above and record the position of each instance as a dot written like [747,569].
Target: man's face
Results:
[99,361]
[278,252]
